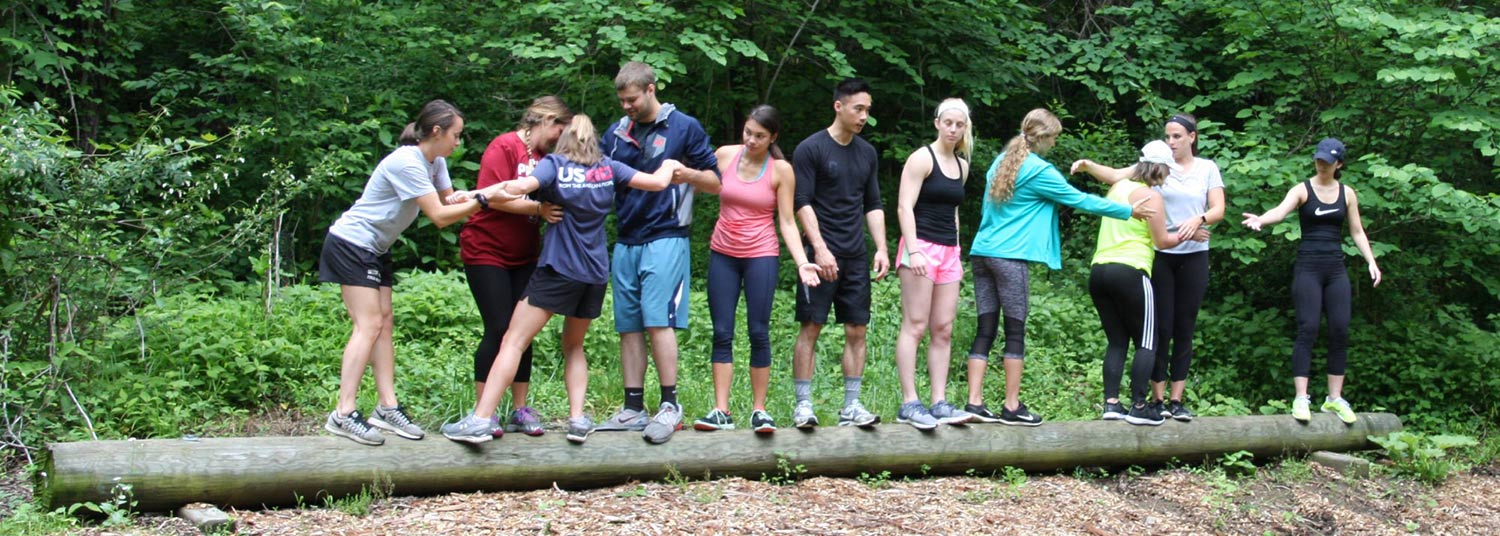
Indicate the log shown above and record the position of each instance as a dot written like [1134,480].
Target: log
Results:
[276,471]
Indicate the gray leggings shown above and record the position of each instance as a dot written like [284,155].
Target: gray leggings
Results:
[1000,284]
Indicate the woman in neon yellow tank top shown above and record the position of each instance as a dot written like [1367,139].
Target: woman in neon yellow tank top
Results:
[1120,283]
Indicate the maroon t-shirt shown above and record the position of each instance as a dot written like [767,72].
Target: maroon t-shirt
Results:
[493,237]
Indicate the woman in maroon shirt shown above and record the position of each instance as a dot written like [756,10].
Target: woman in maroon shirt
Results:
[499,247]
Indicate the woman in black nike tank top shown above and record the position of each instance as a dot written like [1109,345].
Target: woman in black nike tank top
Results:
[1320,284]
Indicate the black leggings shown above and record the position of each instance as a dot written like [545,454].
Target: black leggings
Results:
[1320,287]
[496,291]
[1179,280]
[1123,296]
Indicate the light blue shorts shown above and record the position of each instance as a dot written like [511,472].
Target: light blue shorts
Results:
[650,285]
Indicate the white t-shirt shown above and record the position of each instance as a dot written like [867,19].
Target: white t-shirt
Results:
[1186,197]
[389,202]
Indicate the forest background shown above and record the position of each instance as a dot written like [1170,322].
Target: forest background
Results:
[169,170]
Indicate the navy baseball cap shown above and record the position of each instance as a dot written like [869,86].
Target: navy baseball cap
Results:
[1330,150]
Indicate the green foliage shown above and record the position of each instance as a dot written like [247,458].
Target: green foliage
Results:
[1423,457]
[358,504]
[881,480]
[28,519]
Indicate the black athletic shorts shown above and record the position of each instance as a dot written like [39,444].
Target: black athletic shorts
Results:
[555,292]
[344,263]
[848,296]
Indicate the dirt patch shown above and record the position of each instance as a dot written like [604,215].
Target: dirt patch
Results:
[1292,499]
[1175,501]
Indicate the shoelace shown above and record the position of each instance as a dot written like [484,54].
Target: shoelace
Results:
[398,416]
[357,422]
[527,414]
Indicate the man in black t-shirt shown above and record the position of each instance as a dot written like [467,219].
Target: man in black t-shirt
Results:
[837,181]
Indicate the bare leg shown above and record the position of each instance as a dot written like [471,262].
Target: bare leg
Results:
[723,379]
[363,305]
[1013,369]
[804,353]
[383,354]
[527,321]
[916,305]
[854,350]
[575,365]
[633,359]
[940,345]
[760,383]
[1335,386]
[664,354]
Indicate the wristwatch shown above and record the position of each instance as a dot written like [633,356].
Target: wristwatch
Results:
[484,202]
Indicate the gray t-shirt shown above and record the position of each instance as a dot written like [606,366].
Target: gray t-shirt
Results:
[389,202]
[1186,197]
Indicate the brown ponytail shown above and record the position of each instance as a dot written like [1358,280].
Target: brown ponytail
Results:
[437,113]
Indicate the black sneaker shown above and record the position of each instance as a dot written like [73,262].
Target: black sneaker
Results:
[1179,411]
[1143,415]
[1159,408]
[1113,411]
[762,423]
[981,413]
[1019,417]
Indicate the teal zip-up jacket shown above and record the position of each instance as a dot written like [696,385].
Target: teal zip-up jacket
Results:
[1025,228]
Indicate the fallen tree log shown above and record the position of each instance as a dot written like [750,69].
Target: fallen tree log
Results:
[250,472]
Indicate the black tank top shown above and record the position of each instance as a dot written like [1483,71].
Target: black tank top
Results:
[1322,224]
[937,202]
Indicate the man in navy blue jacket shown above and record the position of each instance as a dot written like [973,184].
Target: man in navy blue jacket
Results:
[649,267]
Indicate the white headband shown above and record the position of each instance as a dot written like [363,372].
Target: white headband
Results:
[954,104]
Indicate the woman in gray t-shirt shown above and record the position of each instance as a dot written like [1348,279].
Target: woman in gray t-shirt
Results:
[1194,196]
[356,255]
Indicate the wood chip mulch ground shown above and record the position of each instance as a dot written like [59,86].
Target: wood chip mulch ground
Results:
[1316,500]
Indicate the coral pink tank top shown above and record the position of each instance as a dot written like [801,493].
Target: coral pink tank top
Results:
[747,208]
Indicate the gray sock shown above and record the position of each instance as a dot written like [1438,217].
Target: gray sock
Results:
[804,389]
[851,388]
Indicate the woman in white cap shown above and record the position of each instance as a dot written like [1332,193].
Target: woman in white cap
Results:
[1320,284]
[1120,283]
[929,262]
[1194,197]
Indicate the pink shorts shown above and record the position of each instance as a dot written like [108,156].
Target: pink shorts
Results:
[943,263]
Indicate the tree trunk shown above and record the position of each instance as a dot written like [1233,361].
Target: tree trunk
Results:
[250,472]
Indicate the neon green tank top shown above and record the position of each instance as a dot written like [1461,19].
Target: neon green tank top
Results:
[1126,242]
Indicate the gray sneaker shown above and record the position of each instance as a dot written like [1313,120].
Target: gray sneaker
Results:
[915,414]
[470,429]
[803,416]
[579,429]
[855,414]
[945,413]
[353,427]
[668,419]
[627,420]
[396,421]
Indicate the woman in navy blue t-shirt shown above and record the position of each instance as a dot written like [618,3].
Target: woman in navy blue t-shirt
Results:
[571,272]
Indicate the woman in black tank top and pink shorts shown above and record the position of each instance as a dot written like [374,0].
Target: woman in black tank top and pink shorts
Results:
[1320,284]
[932,186]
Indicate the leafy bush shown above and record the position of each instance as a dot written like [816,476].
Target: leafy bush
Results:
[1421,456]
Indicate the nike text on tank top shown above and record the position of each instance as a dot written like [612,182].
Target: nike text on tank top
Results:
[1322,223]
[1128,241]
[937,204]
[747,208]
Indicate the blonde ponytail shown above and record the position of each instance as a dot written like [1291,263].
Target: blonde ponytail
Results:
[1039,124]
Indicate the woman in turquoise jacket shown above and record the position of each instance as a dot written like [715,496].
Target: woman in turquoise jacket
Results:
[1019,225]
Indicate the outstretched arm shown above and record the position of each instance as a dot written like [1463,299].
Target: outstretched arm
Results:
[1294,198]
[1101,172]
